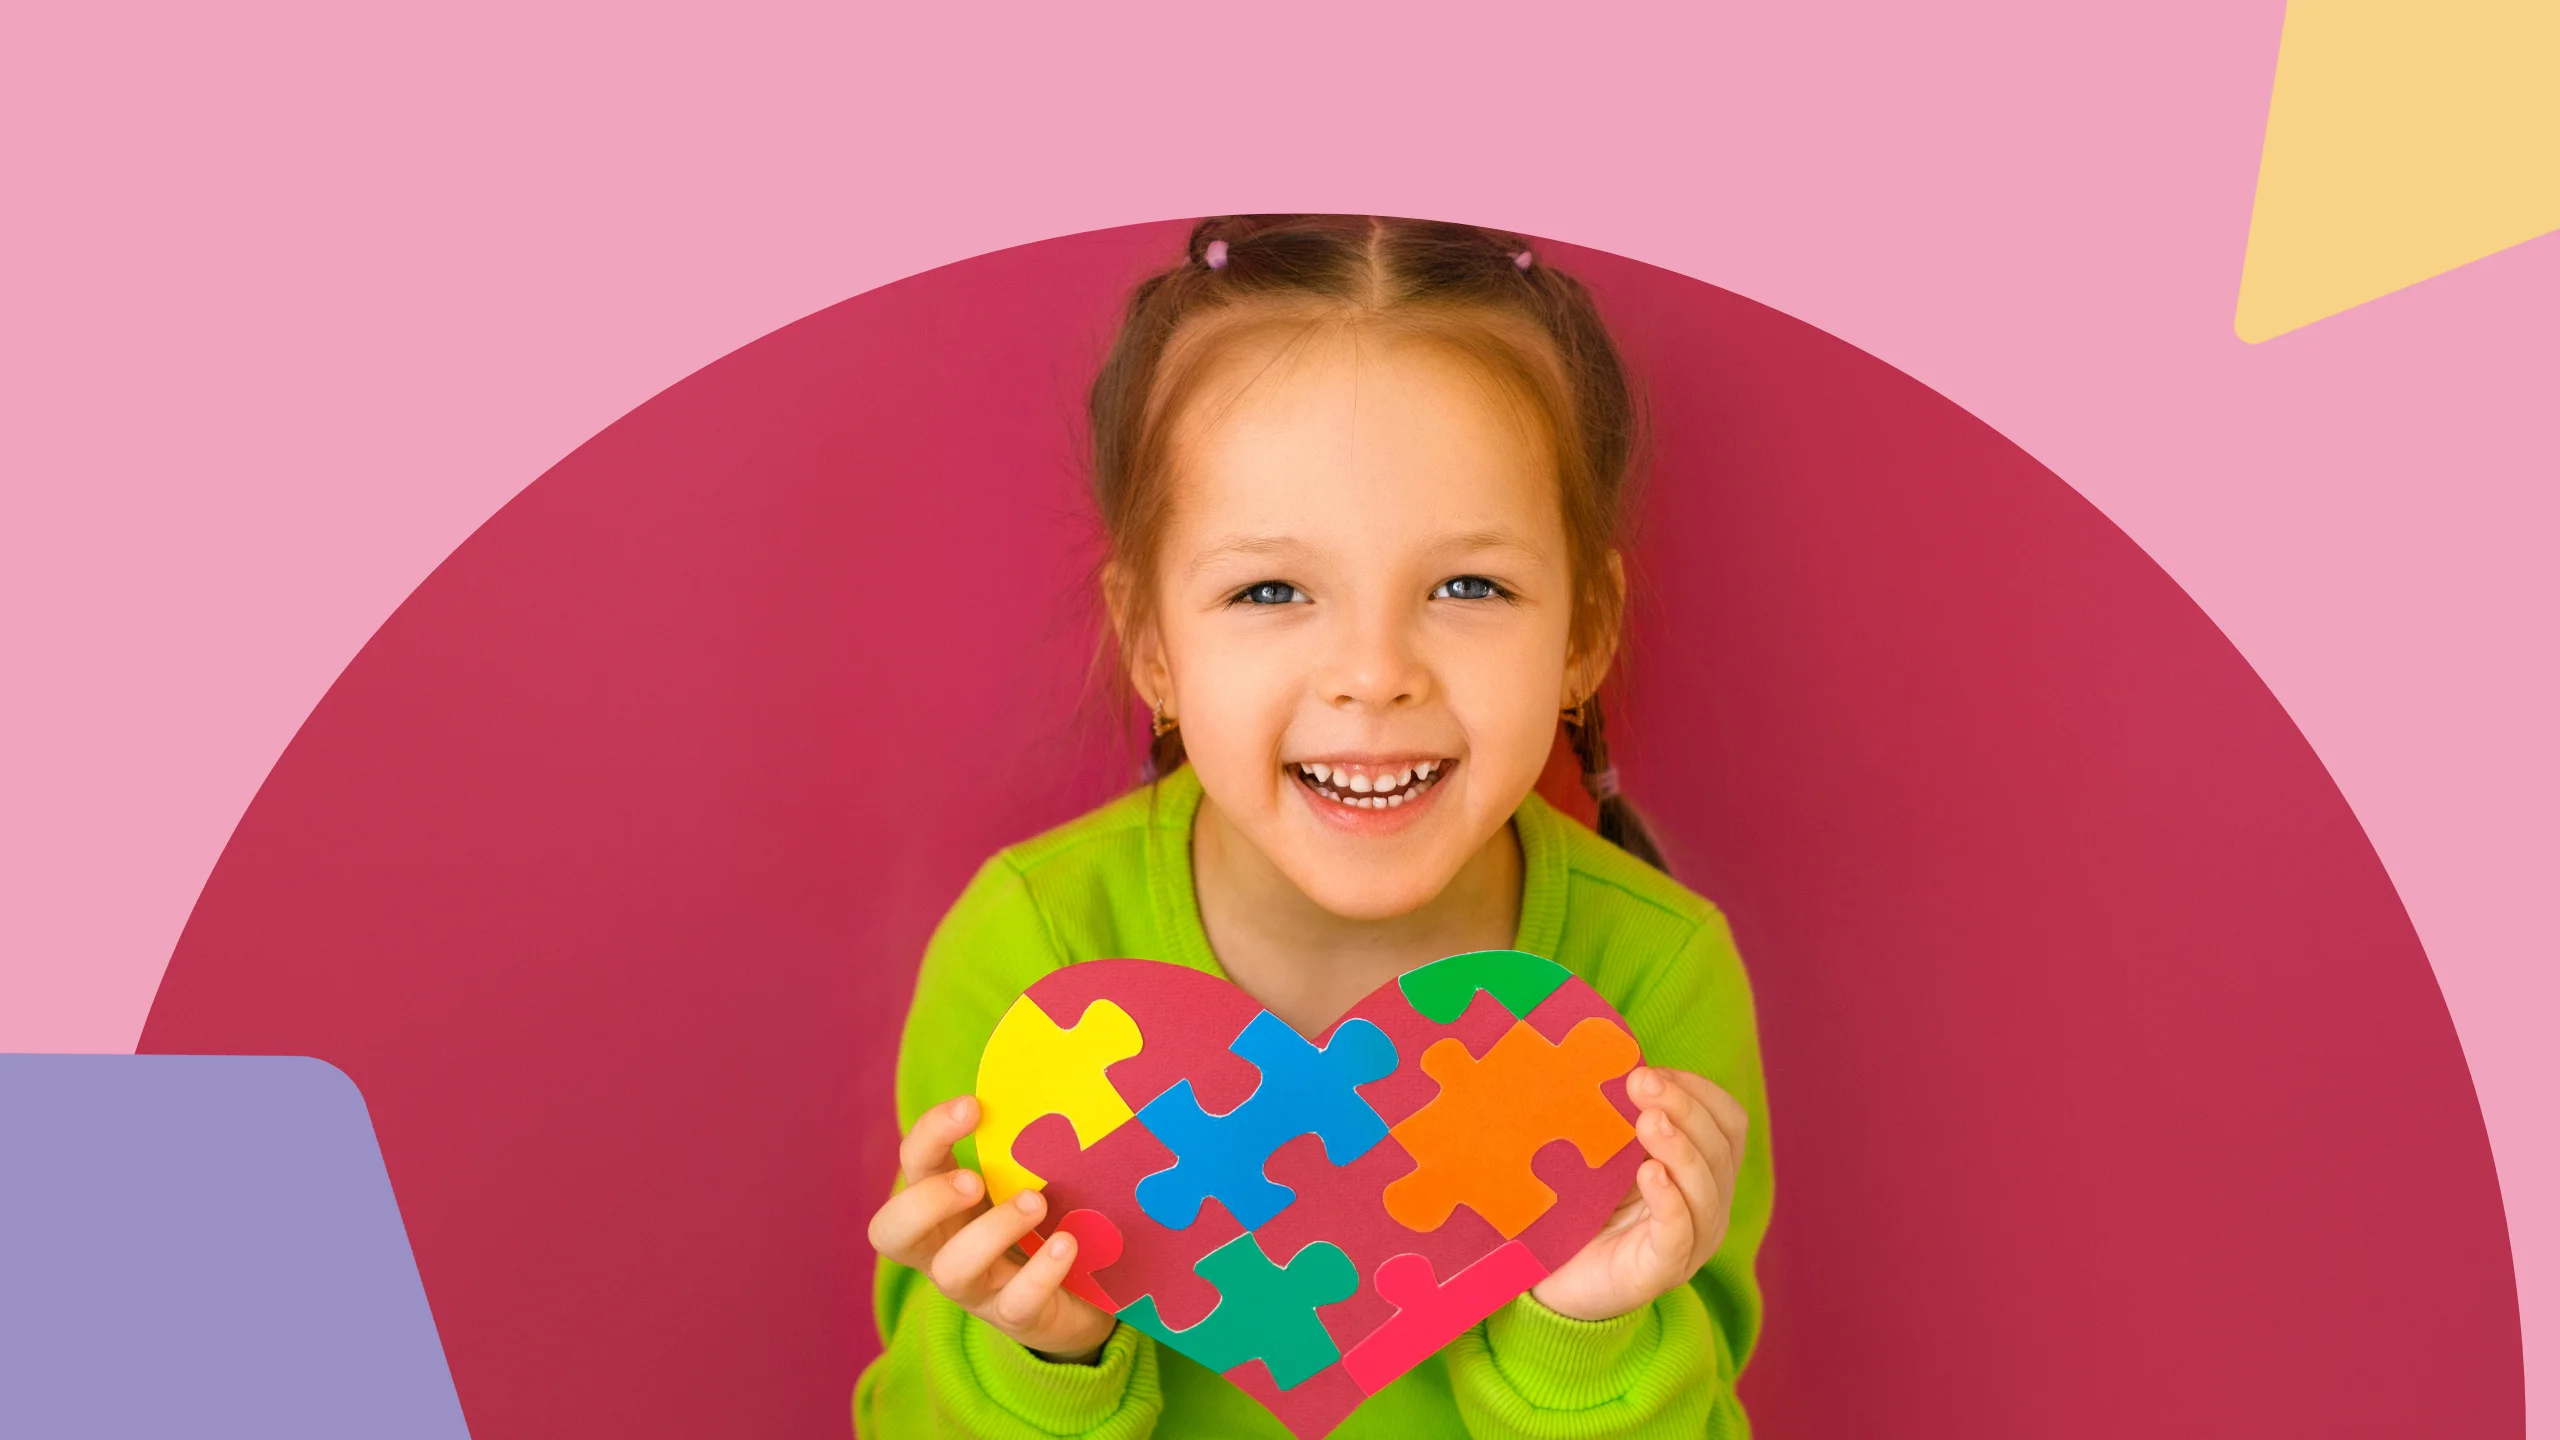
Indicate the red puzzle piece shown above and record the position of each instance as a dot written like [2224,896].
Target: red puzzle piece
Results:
[1430,1314]
[1186,1019]
[1342,1203]
[1312,1410]
[1153,1260]
[1408,1089]
[1560,1234]
[1572,1003]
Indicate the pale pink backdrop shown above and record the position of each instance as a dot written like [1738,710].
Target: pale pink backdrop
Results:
[241,248]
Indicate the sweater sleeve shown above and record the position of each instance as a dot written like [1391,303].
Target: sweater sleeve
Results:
[1665,1369]
[943,1371]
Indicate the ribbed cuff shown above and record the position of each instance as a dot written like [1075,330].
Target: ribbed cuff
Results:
[1054,1398]
[1560,1363]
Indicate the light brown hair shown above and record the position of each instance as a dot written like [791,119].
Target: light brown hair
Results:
[1485,296]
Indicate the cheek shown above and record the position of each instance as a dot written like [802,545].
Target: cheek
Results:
[1235,699]
[1505,695]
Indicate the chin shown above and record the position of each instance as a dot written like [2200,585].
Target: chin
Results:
[1359,888]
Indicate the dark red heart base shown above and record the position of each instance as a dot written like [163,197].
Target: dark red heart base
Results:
[1477,1108]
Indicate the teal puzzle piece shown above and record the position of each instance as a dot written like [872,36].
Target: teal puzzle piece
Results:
[1265,1312]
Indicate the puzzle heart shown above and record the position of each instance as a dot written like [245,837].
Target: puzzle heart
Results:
[1312,1220]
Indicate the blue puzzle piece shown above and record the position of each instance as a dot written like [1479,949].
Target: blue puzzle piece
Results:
[1304,1091]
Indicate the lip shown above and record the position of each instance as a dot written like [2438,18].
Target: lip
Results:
[1407,800]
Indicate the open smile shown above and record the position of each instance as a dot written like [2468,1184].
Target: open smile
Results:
[1355,785]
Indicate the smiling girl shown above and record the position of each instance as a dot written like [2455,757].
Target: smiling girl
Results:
[1363,483]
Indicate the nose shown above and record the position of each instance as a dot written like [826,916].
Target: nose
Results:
[1374,664]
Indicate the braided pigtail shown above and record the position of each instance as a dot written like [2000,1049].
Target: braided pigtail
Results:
[1620,825]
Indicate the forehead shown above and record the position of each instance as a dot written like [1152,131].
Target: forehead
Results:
[1282,417]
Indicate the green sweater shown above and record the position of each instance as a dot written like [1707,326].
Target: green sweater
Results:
[1117,882]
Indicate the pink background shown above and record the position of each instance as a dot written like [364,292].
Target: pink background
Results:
[603,869]
[247,248]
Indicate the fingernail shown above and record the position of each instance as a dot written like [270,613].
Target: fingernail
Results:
[1062,1246]
[964,1108]
[966,1182]
[1028,1202]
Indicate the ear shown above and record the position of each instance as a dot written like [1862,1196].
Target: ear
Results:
[1589,664]
[1141,645]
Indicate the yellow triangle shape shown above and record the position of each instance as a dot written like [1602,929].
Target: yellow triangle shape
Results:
[2404,139]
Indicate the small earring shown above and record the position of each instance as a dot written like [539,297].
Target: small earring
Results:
[1573,716]
[1160,722]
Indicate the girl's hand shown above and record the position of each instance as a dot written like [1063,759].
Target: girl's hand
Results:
[1674,1219]
[940,1224]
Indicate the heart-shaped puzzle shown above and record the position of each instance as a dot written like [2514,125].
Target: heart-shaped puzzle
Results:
[1312,1220]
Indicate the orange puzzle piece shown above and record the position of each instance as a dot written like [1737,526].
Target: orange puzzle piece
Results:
[1472,1143]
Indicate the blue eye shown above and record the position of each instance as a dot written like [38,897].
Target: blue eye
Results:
[1467,587]
[1270,592]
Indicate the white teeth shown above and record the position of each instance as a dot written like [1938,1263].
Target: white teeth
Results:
[1363,790]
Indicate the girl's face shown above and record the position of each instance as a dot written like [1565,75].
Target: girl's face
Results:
[1362,612]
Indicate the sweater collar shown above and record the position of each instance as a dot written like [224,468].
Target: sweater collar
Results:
[1176,897]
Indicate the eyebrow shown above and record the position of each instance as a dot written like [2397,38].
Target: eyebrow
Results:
[1265,546]
[1495,539]
[1246,546]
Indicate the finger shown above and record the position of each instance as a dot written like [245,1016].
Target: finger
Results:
[1698,1124]
[1673,1230]
[902,1229]
[1713,1118]
[1656,1092]
[1727,1112]
[1729,1115]
[973,1264]
[1701,1194]
[1032,1287]
[1654,1088]
[926,1150]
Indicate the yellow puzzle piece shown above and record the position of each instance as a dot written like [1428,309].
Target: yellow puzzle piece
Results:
[1033,1068]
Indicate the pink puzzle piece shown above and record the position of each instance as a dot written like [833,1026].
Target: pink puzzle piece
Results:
[1430,1315]
[1097,1244]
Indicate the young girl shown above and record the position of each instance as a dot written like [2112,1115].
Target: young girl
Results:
[1362,483]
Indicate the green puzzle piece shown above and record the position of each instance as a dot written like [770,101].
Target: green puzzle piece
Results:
[1264,1312]
[1443,989]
